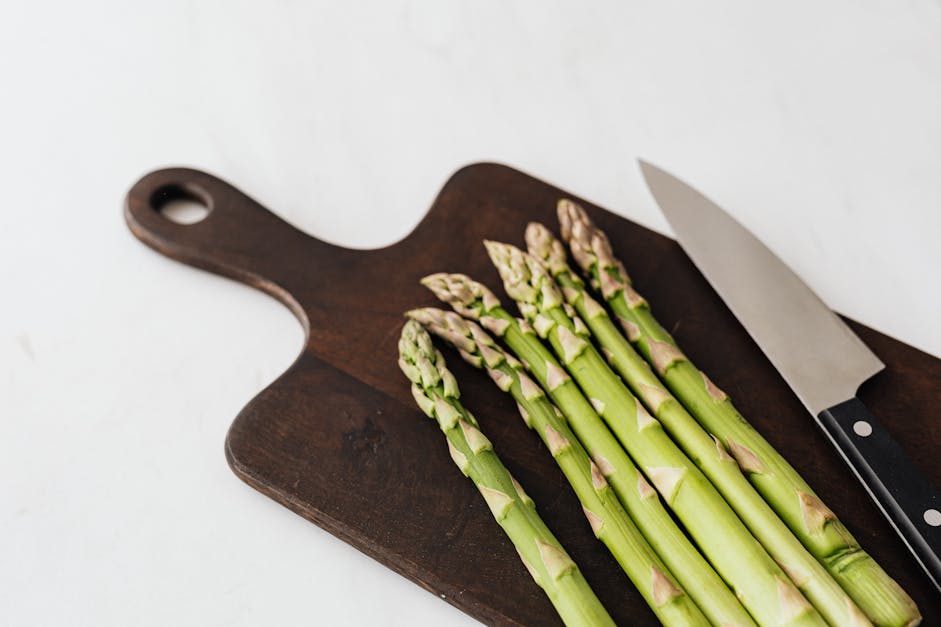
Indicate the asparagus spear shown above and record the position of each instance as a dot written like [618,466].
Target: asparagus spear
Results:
[710,455]
[608,520]
[436,393]
[817,527]
[759,583]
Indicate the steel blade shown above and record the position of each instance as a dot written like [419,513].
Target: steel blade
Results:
[822,360]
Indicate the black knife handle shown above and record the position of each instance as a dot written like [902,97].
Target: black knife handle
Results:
[904,495]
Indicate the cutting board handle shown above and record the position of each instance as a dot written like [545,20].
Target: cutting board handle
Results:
[238,237]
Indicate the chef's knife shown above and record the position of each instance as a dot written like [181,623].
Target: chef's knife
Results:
[822,360]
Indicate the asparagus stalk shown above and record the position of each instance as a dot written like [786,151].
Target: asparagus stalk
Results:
[436,393]
[815,525]
[757,581]
[710,455]
[608,520]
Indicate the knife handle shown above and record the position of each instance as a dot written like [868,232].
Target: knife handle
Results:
[904,495]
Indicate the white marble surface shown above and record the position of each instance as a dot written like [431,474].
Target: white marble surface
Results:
[816,124]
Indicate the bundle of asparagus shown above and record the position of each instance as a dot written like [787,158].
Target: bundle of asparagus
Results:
[475,301]
[674,474]
[436,393]
[710,454]
[769,552]
[608,520]
[817,527]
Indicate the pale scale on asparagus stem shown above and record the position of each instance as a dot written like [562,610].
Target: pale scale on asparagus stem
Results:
[817,527]
[813,579]
[436,393]
[758,582]
[608,520]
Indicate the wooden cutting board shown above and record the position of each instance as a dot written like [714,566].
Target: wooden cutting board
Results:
[338,439]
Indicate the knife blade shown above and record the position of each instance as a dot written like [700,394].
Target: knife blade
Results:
[820,357]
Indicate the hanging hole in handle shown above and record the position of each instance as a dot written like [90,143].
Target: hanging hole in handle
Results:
[181,204]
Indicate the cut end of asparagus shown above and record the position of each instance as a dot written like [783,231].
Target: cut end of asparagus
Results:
[465,295]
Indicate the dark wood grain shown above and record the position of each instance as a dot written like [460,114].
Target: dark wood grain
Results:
[338,439]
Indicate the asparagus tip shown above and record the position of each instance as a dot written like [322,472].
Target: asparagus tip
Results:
[543,245]
[465,295]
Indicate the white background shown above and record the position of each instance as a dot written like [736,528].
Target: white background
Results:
[816,124]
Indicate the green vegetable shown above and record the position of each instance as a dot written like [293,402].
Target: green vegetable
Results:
[712,457]
[436,393]
[814,524]
[607,518]
[762,587]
